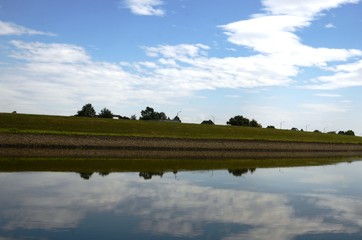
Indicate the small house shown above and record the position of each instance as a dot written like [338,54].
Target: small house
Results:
[209,122]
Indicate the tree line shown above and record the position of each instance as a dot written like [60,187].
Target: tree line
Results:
[150,114]
[147,114]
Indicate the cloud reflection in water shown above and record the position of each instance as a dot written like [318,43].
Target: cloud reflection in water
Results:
[167,207]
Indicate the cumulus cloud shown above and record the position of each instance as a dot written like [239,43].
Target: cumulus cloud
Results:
[8,28]
[145,7]
[274,34]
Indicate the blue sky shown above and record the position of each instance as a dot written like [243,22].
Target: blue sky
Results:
[282,62]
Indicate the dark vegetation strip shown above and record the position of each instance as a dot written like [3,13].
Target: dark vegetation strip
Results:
[109,165]
[160,148]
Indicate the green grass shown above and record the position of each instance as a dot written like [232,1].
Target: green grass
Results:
[24,123]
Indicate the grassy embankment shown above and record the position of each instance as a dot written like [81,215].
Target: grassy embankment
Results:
[40,124]
[79,130]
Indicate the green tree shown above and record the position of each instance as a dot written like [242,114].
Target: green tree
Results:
[242,121]
[147,114]
[150,114]
[87,111]
[349,132]
[254,123]
[238,121]
[105,113]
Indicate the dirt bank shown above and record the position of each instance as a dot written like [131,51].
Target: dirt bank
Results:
[39,145]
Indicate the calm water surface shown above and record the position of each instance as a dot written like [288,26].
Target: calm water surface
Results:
[287,203]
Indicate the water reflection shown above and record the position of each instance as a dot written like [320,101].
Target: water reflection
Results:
[295,203]
[149,175]
[240,172]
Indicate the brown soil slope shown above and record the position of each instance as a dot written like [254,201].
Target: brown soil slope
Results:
[38,145]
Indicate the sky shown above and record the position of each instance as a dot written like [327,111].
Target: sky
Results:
[286,63]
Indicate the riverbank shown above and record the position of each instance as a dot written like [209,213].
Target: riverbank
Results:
[82,146]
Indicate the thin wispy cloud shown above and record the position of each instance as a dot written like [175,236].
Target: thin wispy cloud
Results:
[145,7]
[8,28]
[49,53]
[328,95]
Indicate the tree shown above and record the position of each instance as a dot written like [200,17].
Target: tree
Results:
[150,114]
[87,111]
[254,123]
[350,133]
[242,121]
[238,121]
[270,127]
[147,114]
[105,113]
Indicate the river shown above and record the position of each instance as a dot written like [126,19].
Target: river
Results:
[319,202]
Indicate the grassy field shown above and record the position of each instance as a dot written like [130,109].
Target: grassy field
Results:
[24,123]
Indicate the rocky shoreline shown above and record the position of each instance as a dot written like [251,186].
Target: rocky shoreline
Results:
[74,146]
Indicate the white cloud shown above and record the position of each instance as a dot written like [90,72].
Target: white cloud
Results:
[145,7]
[328,95]
[49,53]
[330,25]
[307,8]
[64,75]
[8,28]
[266,34]
[346,75]
[274,34]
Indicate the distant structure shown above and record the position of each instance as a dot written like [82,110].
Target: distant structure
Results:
[114,116]
[209,122]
